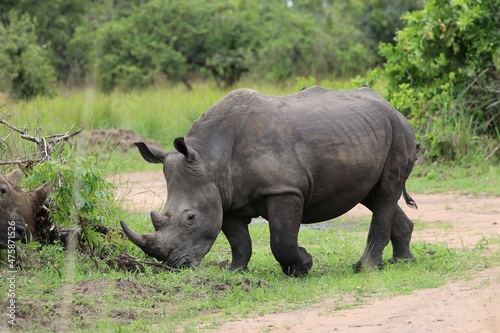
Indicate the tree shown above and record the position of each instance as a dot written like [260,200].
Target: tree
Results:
[56,22]
[24,65]
[445,68]
[380,19]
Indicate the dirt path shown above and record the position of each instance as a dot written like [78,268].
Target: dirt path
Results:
[465,306]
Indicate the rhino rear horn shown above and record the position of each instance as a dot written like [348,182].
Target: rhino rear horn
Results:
[158,221]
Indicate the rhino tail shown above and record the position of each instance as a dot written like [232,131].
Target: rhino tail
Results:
[409,200]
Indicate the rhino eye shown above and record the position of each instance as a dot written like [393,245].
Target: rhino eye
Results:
[3,190]
[191,217]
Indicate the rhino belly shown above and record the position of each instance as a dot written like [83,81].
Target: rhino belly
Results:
[331,207]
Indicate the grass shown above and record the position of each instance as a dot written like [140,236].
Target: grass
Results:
[53,295]
[443,178]
[160,114]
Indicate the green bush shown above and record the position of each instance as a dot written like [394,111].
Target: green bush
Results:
[80,189]
[444,74]
[81,196]
[25,69]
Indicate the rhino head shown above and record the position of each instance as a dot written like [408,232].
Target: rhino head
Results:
[18,208]
[192,217]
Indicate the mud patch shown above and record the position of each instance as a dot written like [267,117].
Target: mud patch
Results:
[112,139]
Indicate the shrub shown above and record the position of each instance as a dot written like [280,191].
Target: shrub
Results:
[25,68]
[444,70]
[81,196]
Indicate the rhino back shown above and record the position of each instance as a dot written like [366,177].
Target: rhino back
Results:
[328,146]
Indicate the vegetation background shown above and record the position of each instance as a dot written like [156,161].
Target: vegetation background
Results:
[436,61]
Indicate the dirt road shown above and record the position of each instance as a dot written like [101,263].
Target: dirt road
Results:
[465,306]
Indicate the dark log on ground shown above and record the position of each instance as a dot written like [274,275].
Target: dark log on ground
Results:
[127,262]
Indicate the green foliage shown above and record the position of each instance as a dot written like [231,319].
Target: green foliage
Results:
[25,69]
[81,192]
[82,198]
[135,51]
[56,22]
[443,74]
[175,41]
[318,39]
[380,19]
[447,177]
[135,44]
[179,41]
[232,42]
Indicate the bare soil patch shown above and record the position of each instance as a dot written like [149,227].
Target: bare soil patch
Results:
[458,220]
[111,139]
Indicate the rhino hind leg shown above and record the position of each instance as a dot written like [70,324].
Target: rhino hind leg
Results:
[401,230]
[383,202]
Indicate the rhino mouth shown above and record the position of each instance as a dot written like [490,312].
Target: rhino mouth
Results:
[185,261]
[181,263]
[20,231]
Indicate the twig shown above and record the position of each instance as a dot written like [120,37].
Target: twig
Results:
[20,161]
[12,127]
[45,147]
[128,262]
[493,152]
[474,81]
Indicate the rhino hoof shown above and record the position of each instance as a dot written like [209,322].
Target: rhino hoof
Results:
[395,260]
[358,267]
[301,268]
[238,268]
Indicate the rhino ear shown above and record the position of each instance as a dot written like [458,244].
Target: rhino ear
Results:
[151,154]
[181,146]
[14,177]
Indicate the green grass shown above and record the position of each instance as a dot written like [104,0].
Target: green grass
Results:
[443,178]
[54,295]
[160,114]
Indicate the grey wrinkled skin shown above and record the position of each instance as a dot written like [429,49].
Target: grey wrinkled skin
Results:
[18,208]
[303,158]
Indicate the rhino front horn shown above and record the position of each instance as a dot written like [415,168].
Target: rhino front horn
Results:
[134,237]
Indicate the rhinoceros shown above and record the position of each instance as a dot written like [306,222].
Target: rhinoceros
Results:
[18,208]
[297,159]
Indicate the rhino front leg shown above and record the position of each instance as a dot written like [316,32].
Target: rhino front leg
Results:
[285,215]
[236,231]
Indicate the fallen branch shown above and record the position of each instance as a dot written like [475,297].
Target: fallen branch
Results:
[493,152]
[45,144]
[20,161]
[129,263]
